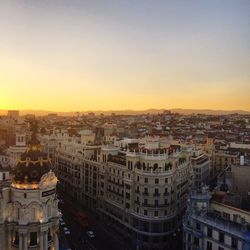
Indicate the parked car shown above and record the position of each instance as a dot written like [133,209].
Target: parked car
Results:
[66,231]
[91,234]
[62,222]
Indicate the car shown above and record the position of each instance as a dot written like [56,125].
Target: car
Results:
[66,232]
[91,234]
[62,223]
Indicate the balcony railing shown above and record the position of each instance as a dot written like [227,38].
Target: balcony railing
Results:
[137,202]
[156,194]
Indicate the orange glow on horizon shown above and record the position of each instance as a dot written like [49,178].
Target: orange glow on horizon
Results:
[125,56]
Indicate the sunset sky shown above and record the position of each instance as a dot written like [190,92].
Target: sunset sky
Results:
[68,55]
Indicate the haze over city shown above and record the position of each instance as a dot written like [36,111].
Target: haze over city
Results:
[124,124]
[118,55]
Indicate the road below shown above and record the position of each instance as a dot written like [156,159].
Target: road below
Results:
[78,240]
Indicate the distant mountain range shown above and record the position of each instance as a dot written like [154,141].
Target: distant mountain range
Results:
[132,112]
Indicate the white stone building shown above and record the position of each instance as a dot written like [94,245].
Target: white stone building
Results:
[28,205]
[141,192]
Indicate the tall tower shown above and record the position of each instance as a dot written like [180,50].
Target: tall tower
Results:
[30,219]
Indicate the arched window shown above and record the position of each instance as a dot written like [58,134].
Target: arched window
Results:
[155,166]
[33,238]
[128,164]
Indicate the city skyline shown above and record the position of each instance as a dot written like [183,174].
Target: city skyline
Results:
[118,55]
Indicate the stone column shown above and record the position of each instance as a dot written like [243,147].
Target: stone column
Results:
[45,240]
[25,241]
[41,240]
[55,241]
[20,241]
[8,239]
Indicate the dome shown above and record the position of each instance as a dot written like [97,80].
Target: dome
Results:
[32,166]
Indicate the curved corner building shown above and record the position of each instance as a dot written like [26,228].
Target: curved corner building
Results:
[29,214]
[146,195]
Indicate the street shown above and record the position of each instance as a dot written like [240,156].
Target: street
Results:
[78,239]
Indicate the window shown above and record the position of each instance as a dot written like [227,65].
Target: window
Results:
[221,237]
[16,241]
[156,181]
[155,166]
[156,239]
[156,213]
[226,216]
[166,180]
[18,213]
[145,238]
[145,225]
[209,245]
[234,243]
[146,180]
[196,241]
[209,232]
[198,226]
[156,202]
[189,237]
[33,238]
[145,201]
[220,248]
[138,178]
[155,227]
[145,212]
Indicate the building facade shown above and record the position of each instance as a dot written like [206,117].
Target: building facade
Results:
[201,168]
[28,205]
[209,224]
[142,193]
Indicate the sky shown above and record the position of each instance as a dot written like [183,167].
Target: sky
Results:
[72,55]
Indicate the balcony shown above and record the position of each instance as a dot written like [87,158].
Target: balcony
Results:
[137,202]
[156,194]
[115,192]
[145,193]
[153,205]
